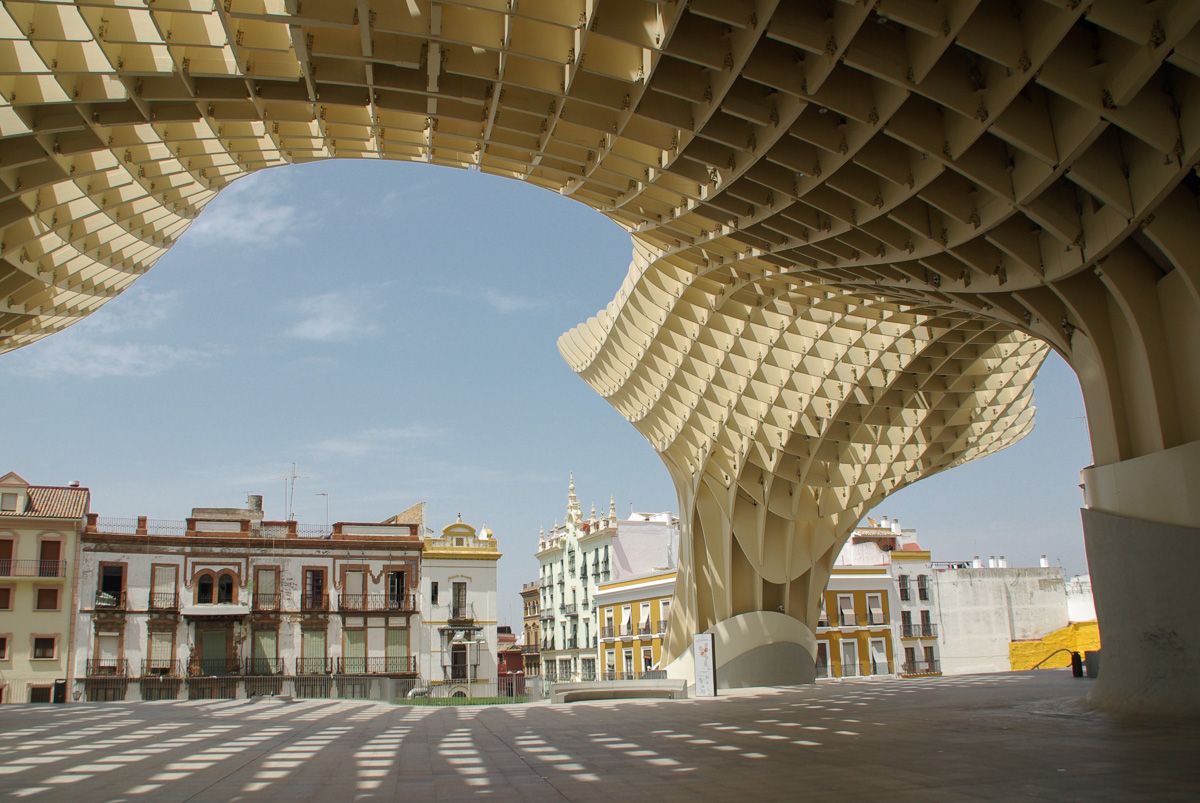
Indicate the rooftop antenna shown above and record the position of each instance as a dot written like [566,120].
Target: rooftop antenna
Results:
[326,495]
[289,493]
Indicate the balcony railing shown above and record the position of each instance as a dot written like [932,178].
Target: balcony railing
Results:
[107,667]
[314,602]
[921,668]
[918,630]
[464,612]
[266,601]
[33,568]
[377,602]
[529,649]
[874,618]
[644,629]
[263,666]
[160,668]
[608,631]
[378,665]
[568,610]
[110,602]
[314,666]
[164,601]
[214,666]
[627,629]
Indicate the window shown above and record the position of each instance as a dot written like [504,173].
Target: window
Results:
[664,614]
[162,649]
[875,608]
[627,620]
[354,650]
[112,586]
[647,659]
[822,659]
[906,627]
[39,694]
[5,598]
[204,590]
[266,589]
[225,588]
[433,595]
[396,649]
[162,595]
[313,596]
[846,610]
[6,553]
[8,501]
[50,557]
[644,618]
[3,648]
[822,614]
[47,599]
[610,663]
[902,580]
[926,624]
[44,647]
[312,649]
[628,656]
[460,601]
[395,590]
[264,647]
[923,587]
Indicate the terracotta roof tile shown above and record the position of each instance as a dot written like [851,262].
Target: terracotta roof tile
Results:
[54,502]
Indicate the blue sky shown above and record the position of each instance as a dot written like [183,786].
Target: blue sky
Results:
[391,329]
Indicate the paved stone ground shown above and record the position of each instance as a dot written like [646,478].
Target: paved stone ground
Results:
[1022,735]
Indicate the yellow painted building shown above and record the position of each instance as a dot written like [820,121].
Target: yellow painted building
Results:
[854,631]
[39,550]
[1053,650]
[633,616]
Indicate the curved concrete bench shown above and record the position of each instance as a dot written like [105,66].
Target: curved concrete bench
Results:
[666,688]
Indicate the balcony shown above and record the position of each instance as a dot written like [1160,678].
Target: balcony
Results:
[214,666]
[314,603]
[627,630]
[314,666]
[263,666]
[110,602]
[572,644]
[107,667]
[608,631]
[529,649]
[160,668]
[457,672]
[378,665]
[377,603]
[33,568]
[164,601]
[461,612]
[265,602]
[875,618]
[568,610]
[847,619]
[921,668]
[644,629]
[922,630]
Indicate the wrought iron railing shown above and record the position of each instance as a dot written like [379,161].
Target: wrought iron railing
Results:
[608,631]
[529,649]
[214,666]
[260,665]
[160,668]
[314,666]
[314,602]
[100,667]
[265,601]
[644,629]
[462,613]
[568,610]
[377,665]
[918,630]
[921,668]
[113,602]
[33,568]
[377,602]
[164,601]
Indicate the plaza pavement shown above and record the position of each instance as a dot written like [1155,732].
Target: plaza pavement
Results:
[1011,736]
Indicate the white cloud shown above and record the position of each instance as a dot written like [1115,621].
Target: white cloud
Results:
[369,440]
[249,212]
[67,356]
[508,303]
[133,309]
[331,317]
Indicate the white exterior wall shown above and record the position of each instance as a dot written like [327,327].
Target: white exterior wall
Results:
[480,577]
[1080,605]
[983,610]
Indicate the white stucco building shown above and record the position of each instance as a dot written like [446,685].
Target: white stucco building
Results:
[458,594]
[575,559]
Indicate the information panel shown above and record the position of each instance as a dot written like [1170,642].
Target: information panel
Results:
[702,654]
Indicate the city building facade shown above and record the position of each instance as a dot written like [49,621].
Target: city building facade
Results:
[531,641]
[634,613]
[854,628]
[458,589]
[579,558]
[226,604]
[40,527]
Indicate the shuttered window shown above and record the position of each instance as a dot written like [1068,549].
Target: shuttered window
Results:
[355,655]
[397,649]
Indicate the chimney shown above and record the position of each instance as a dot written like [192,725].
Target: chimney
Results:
[1002,563]
[73,483]
[896,526]
[977,563]
[883,522]
[1044,563]
[254,502]
[991,561]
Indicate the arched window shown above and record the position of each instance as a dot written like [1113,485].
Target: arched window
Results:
[204,589]
[225,588]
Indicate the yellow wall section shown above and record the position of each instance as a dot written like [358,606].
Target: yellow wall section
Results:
[1078,637]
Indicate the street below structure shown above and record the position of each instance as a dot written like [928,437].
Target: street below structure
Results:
[1024,734]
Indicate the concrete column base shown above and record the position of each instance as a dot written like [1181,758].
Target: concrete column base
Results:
[1148,605]
[761,648]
